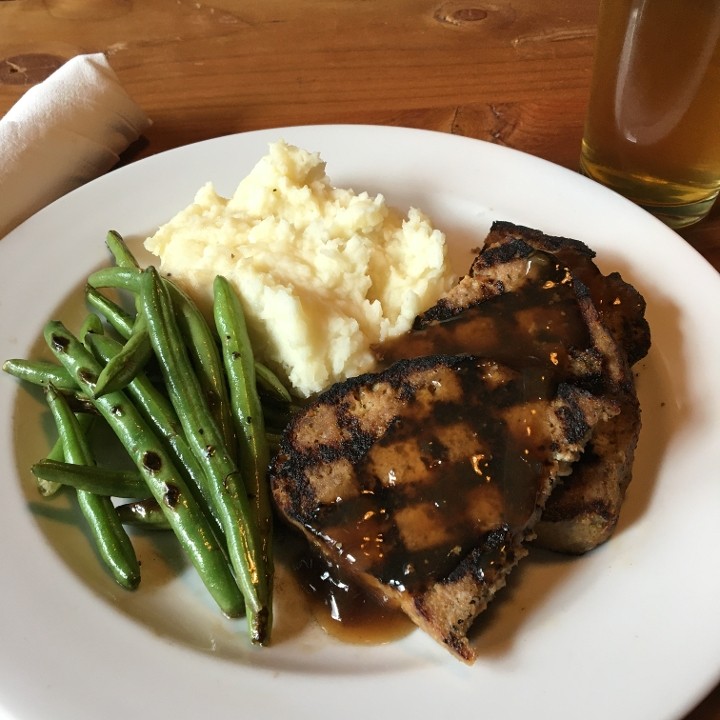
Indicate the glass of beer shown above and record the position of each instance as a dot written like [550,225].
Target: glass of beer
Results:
[652,131]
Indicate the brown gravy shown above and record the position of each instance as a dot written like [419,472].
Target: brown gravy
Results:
[345,610]
[341,607]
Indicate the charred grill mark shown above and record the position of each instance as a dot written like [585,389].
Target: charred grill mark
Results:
[575,425]
[503,254]
[298,498]
[442,309]
[491,553]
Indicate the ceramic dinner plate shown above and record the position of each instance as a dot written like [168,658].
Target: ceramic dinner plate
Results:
[628,631]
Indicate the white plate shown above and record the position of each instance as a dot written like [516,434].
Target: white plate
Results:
[628,631]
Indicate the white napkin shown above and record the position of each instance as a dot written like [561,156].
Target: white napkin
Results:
[63,132]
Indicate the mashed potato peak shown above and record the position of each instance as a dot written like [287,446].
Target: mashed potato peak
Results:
[323,272]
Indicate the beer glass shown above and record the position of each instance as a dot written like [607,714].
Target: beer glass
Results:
[652,131]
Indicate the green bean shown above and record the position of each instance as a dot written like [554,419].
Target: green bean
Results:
[137,351]
[201,343]
[207,442]
[273,441]
[121,278]
[108,482]
[248,414]
[269,382]
[40,372]
[166,484]
[277,415]
[57,452]
[46,488]
[108,533]
[120,320]
[91,324]
[143,513]
[125,365]
[121,252]
[161,416]
[118,372]
[44,373]
[206,359]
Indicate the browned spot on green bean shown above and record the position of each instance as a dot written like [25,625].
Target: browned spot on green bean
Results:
[152,462]
[87,376]
[172,495]
[59,343]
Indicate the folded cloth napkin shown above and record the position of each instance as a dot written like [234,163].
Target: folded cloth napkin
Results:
[63,132]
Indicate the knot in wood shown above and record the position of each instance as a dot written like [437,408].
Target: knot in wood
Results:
[459,14]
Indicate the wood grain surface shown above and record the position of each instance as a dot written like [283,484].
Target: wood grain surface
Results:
[514,72]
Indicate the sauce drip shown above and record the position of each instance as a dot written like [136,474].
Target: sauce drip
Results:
[341,606]
[346,610]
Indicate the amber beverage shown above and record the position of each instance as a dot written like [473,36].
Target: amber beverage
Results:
[653,126]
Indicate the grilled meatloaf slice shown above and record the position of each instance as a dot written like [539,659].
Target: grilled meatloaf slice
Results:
[584,512]
[424,481]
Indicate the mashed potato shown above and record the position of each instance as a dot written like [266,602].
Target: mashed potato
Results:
[323,273]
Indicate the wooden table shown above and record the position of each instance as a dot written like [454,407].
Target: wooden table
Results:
[515,73]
